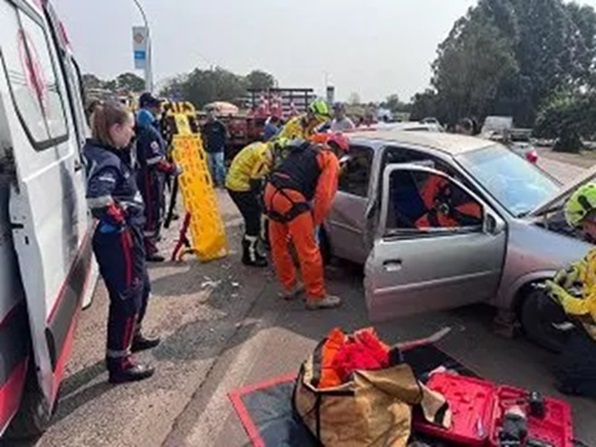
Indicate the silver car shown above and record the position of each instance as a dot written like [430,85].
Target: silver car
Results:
[517,239]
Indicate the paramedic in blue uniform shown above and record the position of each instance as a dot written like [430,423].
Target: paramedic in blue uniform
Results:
[153,170]
[117,205]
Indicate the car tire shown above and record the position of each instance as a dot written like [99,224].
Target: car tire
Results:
[537,315]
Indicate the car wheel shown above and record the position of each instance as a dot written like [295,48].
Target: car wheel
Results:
[539,317]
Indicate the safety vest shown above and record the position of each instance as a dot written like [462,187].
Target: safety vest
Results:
[299,171]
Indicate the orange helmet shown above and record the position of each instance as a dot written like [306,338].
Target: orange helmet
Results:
[334,140]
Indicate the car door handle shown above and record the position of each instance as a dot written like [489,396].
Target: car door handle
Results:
[78,166]
[392,266]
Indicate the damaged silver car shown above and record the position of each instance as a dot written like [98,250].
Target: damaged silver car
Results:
[517,239]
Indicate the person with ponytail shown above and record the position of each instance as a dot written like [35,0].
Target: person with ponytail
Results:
[116,203]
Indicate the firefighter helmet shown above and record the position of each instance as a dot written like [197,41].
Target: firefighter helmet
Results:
[581,204]
[337,141]
[319,109]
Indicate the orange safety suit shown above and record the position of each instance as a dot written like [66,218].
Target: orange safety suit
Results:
[443,209]
[309,174]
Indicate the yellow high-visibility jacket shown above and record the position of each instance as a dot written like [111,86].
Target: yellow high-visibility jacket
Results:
[296,128]
[582,308]
[252,163]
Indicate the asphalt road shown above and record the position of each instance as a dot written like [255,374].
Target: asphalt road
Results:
[223,328]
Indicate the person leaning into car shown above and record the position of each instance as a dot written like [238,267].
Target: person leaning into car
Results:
[575,290]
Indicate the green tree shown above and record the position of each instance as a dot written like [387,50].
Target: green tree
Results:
[509,56]
[426,105]
[90,81]
[260,80]
[205,86]
[130,82]
[472,62]
[393,103]
[569,117]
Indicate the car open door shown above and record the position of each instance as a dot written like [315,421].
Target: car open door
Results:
[48,213]
[437,245]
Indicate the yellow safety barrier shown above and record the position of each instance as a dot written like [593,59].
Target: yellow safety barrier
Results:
[208,239]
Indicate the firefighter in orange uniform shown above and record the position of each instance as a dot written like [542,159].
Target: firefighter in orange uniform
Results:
[298,195]
[446,208]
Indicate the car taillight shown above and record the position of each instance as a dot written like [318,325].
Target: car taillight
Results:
[532,156]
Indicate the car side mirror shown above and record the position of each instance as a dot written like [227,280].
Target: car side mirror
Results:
[493,225]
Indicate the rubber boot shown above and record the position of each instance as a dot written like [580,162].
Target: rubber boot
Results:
[250,254]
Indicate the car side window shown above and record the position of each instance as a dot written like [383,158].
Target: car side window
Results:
[355,173]
[421,201]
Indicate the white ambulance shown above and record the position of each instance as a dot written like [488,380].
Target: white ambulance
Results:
[46,266]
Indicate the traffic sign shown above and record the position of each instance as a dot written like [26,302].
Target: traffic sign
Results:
[139,41]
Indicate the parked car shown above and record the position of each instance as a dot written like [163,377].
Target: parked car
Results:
[519,240]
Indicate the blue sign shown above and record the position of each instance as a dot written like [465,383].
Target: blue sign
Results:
[140,59]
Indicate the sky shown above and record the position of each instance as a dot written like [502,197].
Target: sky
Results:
[373,48]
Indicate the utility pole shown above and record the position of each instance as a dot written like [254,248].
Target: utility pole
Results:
[149,57]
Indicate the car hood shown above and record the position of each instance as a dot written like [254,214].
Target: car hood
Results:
[564,192]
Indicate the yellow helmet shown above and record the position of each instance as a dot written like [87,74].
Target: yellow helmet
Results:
[319,109]
[580,204]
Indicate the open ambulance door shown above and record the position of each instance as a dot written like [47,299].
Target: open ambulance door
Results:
[48,213]
[76,100]
[434,254]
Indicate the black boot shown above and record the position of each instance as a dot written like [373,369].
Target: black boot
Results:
[142,343]
[155,258]
[125,370]
[250,254]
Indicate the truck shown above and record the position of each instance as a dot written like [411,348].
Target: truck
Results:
[47,269]
[258,105]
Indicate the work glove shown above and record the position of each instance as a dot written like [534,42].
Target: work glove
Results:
[568,277]
[555,292]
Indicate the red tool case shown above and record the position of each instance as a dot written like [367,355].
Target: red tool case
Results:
[478,407]
[471,401]
[556,428]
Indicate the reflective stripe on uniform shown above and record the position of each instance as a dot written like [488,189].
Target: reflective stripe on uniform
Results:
[154,160]
[107,178]
[99,202]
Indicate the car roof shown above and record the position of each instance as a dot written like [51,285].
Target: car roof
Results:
[451,144]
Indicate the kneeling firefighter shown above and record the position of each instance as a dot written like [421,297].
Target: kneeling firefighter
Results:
[575,290]
[243,183]
[308,174]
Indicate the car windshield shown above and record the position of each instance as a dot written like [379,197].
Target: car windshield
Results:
[512,181]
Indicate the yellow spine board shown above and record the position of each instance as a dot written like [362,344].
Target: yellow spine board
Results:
[207,231]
